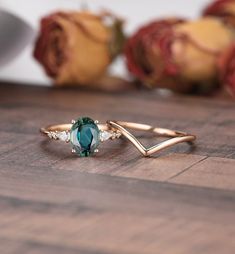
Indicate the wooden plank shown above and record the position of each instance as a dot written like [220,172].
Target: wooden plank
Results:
[109,214]
[213,172]
[116,202]
[200,116]
[29,108]
[160,169]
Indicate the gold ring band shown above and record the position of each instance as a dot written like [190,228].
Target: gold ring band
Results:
[175,136]
[85,135]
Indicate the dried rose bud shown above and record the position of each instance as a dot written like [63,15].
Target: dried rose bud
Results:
[227,69]
[77,47]
[224,9]
[176,54]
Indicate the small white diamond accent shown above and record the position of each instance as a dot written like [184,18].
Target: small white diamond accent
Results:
[105,135]
[49,134]
[63,136]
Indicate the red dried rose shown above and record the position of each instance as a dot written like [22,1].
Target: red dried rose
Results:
[161,34]
[227,69]
[76,48]
[224,9]
[178,54]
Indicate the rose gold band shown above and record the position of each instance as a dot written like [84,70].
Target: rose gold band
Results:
[175,136]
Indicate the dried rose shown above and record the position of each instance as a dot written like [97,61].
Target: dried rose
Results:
[227,69]
[77,47]
[177,54]
[224,9]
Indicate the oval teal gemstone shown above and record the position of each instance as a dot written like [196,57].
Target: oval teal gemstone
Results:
[84,136]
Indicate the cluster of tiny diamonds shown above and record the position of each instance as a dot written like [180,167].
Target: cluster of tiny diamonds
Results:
[105,135]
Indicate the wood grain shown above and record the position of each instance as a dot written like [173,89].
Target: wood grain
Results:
[180,201]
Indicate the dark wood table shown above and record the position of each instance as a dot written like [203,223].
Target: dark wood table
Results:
[180,201]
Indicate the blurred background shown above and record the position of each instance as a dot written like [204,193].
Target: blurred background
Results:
[19,21]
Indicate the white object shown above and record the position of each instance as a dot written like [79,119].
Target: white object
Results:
[15,34]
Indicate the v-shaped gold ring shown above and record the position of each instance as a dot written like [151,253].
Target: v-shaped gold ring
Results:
[175,136]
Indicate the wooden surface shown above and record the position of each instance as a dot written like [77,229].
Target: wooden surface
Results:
[180,201]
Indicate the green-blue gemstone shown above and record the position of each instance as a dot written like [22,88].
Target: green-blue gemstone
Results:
[84,136]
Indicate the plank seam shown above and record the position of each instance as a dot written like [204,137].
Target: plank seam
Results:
[186,169]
